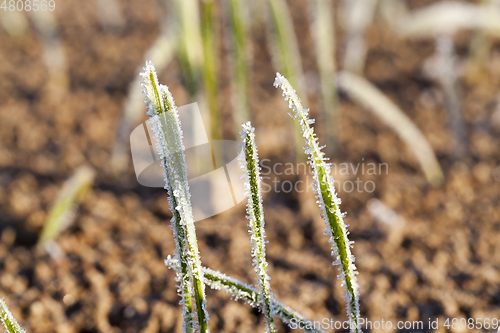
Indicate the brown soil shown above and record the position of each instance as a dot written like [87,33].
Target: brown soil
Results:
[443,262]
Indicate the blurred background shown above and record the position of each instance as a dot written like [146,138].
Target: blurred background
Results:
[406,89]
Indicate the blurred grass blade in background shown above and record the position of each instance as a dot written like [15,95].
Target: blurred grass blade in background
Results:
[359,15]
[189,46]
[249,162]
[370,97]
[328,202]
[62,212]
[167,130]
[240,60]
[392,10]
[160,53]
[446,18]
[53,52]
[8,320]
[14,23]
[446,74]
[480,50]
[440,21]
[286,55]
[210,67]
[110,14]
[324,43]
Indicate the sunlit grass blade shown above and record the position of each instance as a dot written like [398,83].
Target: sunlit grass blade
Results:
[54,56]
[324,43]
[372,98]
[249,161]
[8,320]
[239,290]
[328,202]
[446,18]
[240,60]
[479,51]
[14,23]
[392,11]
[62,211]
[359,16]
[167,130]
[110,14]
[160,53]
[285,53]
[210,67]
[189,46]
[448,78]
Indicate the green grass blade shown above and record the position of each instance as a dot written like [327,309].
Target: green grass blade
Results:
[285,54]
[167,129]
[328,201]
[8,320]
[249,161]
[210,67]
[242,291]
[62,211]
[189,45]
[239,290]
[160,54]
[241,61]
[324,44]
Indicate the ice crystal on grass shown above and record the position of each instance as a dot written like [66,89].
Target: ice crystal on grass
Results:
[249,294]
[249,161]
[167,130]
[328,202]
[8,320]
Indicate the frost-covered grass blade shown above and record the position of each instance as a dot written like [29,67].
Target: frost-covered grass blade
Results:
[242,291]
[167,130]
[328,201]
[239,290]
[249,161]
[8,320]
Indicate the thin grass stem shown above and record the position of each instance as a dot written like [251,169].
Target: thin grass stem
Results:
[328,201]
[249,161]
[241,61]
[242,291]
[167,129]
[160,53]
[324,43]
[210,67]
[62,212]
[9,322]
[285,53]
[189,45]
